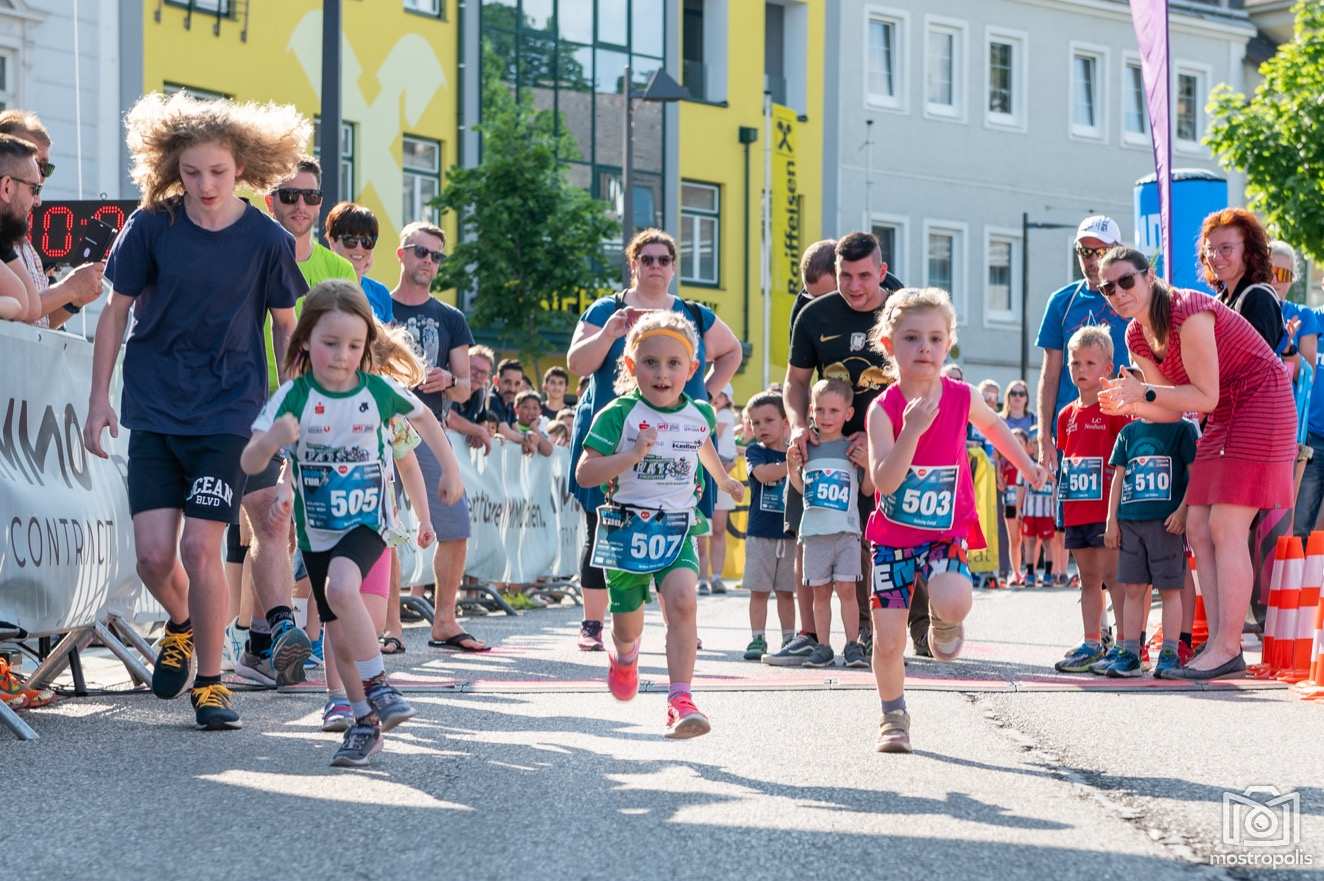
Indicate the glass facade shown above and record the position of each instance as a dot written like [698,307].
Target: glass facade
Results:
[570,57]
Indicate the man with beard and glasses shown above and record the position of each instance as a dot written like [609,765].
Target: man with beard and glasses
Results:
[19,191]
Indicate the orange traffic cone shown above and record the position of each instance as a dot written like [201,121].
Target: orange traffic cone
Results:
[1266,667]
[1284,635]
[1313,688]
[1200,624]
[1299,626]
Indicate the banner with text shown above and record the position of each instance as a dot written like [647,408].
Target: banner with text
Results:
[787,228]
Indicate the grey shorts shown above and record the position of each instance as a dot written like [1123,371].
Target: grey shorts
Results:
[770,565]
[830,558]
[449,522]
[1151,555]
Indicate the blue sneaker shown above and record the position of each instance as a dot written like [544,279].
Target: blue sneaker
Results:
[315,657]
[1126,666]
[1080,659]
[1168,660]
[1110,656]
[290,647]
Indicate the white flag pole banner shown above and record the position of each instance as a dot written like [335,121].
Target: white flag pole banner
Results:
[66,537]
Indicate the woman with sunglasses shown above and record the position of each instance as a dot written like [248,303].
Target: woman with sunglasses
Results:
[351,230]
[1234,257]
[1195,356]
[595,350]
[1016,413]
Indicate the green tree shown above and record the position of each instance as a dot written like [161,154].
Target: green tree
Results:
[1276,137]
[532,240]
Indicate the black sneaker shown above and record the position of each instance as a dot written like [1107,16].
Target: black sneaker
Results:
[213,707]
[389,705]
[922,648]
[823,656]
[290,647]
[855,656]
[794,653]
[362,741]
[175,664]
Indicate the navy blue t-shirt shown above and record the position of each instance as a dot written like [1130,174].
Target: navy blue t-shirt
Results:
[437,328]
[767,502]
[195,363]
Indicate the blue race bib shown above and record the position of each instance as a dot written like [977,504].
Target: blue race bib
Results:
[1082,479]
[1148,479]
[828,488]
[772,497]
[638,540]
[337,498]
[926,499]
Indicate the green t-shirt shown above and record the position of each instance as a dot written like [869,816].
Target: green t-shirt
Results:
[322,264]
[669,477]
[1157,457]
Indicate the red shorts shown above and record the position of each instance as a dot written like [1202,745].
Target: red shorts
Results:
[1038,527]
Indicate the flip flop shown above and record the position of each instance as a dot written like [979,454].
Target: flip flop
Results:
[391,645]
[457,643]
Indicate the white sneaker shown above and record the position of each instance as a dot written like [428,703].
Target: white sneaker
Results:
[232,649]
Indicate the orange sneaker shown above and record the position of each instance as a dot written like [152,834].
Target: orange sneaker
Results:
[622,679]
[17,696]
[684,719]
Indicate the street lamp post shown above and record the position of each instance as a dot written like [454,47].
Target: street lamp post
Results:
[330,146]
[662,88]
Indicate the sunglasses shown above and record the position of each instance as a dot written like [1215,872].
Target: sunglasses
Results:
[663,260]
[36,187]
[368,242]
[46,169]
[1126,282]
[1017,393]
[288,196]
[1283,275]
[1088,253]
[421,252]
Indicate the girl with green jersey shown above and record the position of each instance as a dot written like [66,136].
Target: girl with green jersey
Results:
[645,448]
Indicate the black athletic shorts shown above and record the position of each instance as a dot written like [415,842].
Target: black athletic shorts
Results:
[361,546]
[197,475]
[590,576]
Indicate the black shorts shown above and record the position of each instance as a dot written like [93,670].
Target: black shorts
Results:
[1009,512]
[361,546]
[1085,537]
[590,577]
[197,475]
[267,477]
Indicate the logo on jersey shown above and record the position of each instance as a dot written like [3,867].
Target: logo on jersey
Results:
[210,492]
[659,468]
[687,446]
[319,408]
[363,407]
[857,341]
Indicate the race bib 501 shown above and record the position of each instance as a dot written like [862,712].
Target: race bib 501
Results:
[1082,479]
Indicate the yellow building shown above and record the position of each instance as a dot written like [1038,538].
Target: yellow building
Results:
[398,100]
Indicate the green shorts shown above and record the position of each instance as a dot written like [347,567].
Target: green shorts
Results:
[629,590]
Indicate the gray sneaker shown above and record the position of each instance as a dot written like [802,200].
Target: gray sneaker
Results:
[855,656]
[362,741]
[704,589]
[823,656]
[290,648]
[390,706]
[718,586]
[794,653]
[256,668]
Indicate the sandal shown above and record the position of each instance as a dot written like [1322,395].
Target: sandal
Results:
[391,645]
[457,643]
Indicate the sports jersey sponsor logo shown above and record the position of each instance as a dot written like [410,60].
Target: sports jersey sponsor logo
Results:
[659,468]
[324,455]
[319,429]
[362,428]
[363,407]
[319,408]
[857,341]
[688,446]
[211,492]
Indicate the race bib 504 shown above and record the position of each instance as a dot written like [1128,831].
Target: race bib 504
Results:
[828,488]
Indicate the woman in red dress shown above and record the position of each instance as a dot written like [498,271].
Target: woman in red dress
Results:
[1197,355]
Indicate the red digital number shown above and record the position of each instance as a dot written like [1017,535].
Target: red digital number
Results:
[52,251]
[110,211]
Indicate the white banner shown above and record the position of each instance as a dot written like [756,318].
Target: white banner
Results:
[66,537]
[525,525]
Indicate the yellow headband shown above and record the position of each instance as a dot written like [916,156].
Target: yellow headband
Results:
[667,331]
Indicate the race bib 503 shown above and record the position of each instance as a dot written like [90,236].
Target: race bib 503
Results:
[926,499]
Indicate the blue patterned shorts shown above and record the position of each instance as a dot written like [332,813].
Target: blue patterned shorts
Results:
[895,570]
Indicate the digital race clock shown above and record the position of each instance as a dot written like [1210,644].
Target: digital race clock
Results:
[57,227]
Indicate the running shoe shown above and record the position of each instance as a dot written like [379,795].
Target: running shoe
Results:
[590,636]
[256,667]
[1080,659]
[794,653]
[1168,660]
[622,679]
[945,639]
[684,719]
[1031,579]
[894,732]
[175,664]
[922,648]
[823,656]
[757,648]
[535,601]
[290,647]
[337,715]
[213,708]
[15,693]
[1125,666]
[233,648]
[1184,653]
[855,656]
[363,740]
[704,588]
[389,705]
[718,586]
[1100,667]
[315,656]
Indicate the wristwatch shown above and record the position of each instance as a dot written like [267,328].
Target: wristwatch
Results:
[1150,395]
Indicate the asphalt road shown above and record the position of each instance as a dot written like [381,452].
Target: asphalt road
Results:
[520,765]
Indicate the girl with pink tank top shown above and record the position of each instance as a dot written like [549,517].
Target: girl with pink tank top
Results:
[925,517]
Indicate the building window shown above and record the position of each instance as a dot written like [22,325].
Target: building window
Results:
[774,51]
[194,91]
[700,232]
[422,178]
[944,249]
[8,80]
[1006,79]
[1188,121]
[1135,112]
[692,43]
[1087,117]
[215,7]
[1002,276]
[885,62]
[434,8]
[346,178]
[944,71]
[891,234]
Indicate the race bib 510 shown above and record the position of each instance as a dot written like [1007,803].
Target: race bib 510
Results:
[1148,479]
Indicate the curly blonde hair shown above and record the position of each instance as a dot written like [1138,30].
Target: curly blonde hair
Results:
[664,320]
[394,355]
[904,301]
[266,140]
